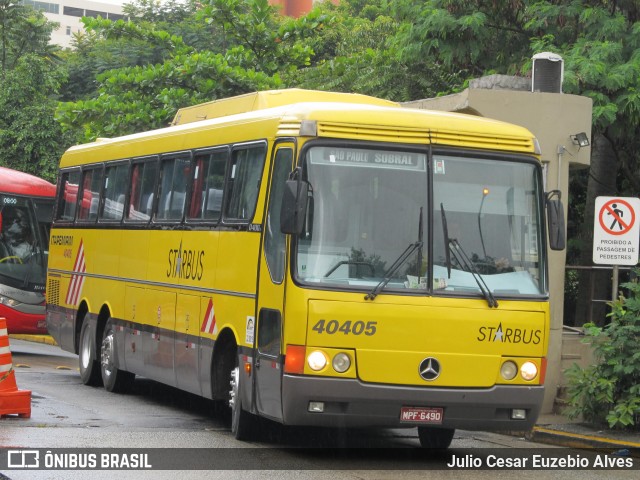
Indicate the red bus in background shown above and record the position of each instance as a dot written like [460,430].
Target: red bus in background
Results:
[26,209]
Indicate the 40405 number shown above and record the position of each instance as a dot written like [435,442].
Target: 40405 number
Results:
[346,328]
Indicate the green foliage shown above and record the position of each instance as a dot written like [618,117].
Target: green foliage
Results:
[135,99]
[360,53]
[30,139]
[257,37]
[126,90]
[610,390]
[22,31]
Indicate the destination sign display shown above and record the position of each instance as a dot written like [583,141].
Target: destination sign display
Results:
[360,157]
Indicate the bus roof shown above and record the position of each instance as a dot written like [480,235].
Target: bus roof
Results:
[336,115]
[251,102]
[20,183]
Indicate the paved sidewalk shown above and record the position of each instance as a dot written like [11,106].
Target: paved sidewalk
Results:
[550,429]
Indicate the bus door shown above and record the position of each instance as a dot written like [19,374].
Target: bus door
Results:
[268,363]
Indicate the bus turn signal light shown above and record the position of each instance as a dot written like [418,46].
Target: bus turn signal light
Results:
[294,359]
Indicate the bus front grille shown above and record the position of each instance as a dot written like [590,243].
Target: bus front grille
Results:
[53,292]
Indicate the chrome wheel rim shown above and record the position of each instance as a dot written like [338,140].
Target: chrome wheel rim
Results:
[85,350]
[107,354]
[233,393]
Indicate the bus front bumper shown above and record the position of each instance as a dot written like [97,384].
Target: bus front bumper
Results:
[31,322]
[351,403]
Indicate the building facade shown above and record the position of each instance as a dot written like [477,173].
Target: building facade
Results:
[68,13]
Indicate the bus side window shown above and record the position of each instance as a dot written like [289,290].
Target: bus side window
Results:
[274,239]
[208,185]
[68,195]
[201,165]
[244,182]
[143,182]
[175,174]
[269,332]
[90,195]
[115,187]
[215,185]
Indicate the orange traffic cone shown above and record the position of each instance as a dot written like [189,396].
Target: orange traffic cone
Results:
[12,400]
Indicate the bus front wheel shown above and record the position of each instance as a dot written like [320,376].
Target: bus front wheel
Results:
[114,379]
[89,366]
[242,422]
[436,438]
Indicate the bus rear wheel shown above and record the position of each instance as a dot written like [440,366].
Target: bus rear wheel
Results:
[89,366]
[436,438]
[114,379]
[242,422]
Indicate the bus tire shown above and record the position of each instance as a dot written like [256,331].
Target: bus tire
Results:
[88,363]
[436,438]
[242,422]
[114,379]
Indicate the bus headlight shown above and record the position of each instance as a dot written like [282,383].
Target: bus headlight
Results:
[341,362]
[317,360]
[8,301]
[509,370]
[529,370]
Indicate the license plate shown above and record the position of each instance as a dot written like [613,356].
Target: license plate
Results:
[433,415]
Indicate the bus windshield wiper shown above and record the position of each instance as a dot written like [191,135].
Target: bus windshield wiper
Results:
[445,232]
[453,246]
[398,263]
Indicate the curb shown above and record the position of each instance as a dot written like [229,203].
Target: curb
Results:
[578,440]
[48,339]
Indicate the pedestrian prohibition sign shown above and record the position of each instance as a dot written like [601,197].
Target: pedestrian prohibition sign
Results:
[616,232]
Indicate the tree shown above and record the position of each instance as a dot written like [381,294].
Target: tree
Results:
[255,46]
[30,139]
[360,53]
[152,37]
[22,31]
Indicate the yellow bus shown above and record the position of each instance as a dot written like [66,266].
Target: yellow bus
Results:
[312,258]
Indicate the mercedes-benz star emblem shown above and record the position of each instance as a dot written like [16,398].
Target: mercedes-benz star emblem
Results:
[429,369]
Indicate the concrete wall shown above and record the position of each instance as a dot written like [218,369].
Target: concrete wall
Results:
[552,118]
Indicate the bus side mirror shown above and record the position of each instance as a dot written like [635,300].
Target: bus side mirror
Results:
[555,221]
[294,206]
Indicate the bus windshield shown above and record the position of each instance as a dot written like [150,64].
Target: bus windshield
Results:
[369,210]
[24,235]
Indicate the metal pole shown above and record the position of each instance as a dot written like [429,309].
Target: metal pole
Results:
[614,284]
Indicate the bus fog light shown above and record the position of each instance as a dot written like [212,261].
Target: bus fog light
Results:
[317,360]
[316,407]
[341,362]
[518,414]
[529,370]
[509,370]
